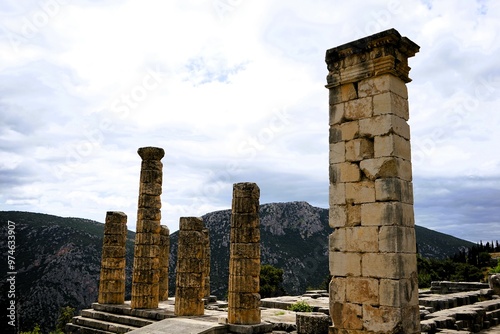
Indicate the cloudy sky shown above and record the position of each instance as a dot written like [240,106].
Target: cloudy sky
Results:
[233,90]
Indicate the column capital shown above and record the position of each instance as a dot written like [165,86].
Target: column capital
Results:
[151,153]
[381,53]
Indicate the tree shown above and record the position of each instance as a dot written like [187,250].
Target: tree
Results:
[271,280]
[65,315]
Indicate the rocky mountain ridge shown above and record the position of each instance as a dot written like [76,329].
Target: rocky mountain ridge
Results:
[58,259]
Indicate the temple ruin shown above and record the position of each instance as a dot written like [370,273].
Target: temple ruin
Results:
[372,250]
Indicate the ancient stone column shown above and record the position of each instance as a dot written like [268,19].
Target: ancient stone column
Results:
[146,271]
[112,278]
[190,265]
[372,249]
[206,263]
[164,257]
[244,256]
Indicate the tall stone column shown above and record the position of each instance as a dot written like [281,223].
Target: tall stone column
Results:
[206,263]
[146,272]
[112,278]
[190,265]
[244,256]
[164,258]
[372,249]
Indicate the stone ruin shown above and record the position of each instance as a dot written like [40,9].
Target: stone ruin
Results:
[372,250]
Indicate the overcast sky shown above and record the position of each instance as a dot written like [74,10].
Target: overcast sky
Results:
[233,90]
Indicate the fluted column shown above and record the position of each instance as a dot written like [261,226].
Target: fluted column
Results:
[146,272]
[164,258]
[112,278]
[206,263]
[190,265]
[244,261]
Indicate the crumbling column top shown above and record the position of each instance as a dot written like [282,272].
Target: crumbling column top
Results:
[383,52]
[151,153]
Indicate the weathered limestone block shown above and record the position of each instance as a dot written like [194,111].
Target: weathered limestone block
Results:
[312,323]
[112,276]
[494,281]
[189,285]
[386,167]
[359,149]
[372,249]
[358,109]
[164,258]
[392,145]
[146,271]
[244,261]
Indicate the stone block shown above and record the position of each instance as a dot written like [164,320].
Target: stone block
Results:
[358,109]
[337,216]
[149,214]
[312,323]
[250,220]
[392,145]
[335,134]
[337,152]
[383,125]
[243,284]
[147,238]
[344,172]
[189,280]
[362,290]
[337,290]
[345,264]
[388,265]
[244,316]
[349,130]
[386,167]
[242,267]
[336,240]
[360,192]
[362,239]
[382,319]
[398,293]
[243,205]
[334,95]
[381,84]
[244,300]
[146,225]
[113,252]
[146,263]
[245,250]
[246,190]
[390,103]
[347,316]
[149,201]
[245,235]
[394,239]
[358,149]
[348,92]
[113,263]
[336,113]
[337,194]
[353,214]
[153,189]
[394,189]
[151,176]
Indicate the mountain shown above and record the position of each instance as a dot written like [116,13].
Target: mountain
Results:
[57,259]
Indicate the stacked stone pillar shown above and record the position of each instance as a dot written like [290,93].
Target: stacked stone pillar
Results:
[206,263]
[146,271]
[372,249]
[244,260]
[164,257]
[112,278]
[189,289]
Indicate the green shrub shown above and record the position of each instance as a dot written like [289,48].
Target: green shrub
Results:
[300,306]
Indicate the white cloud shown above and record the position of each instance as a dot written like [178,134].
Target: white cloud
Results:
[233,91]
